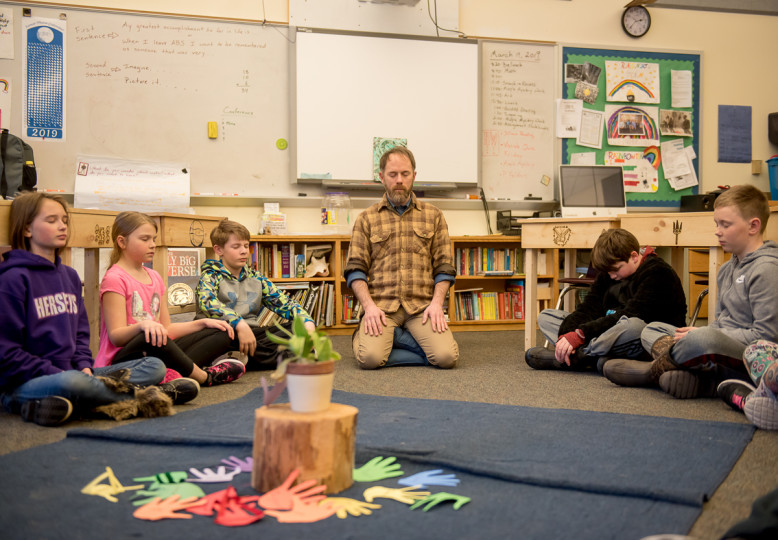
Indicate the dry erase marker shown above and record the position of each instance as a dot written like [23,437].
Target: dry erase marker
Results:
[197,194]
[227,194]
[54,190]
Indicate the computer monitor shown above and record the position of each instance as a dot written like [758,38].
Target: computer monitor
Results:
[591,191]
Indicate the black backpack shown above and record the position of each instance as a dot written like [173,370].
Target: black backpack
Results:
[17,166]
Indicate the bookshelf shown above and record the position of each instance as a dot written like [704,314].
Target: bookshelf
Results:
[495,254]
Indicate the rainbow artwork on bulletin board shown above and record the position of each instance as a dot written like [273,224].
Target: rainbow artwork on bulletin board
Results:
[632,126]
[648,186]
[634,82]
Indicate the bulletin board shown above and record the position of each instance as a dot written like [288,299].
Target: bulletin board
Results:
[665,195]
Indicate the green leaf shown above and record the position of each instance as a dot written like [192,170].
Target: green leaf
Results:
[299,326]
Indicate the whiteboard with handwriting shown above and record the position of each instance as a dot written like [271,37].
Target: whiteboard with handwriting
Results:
[145,88]
[517,110]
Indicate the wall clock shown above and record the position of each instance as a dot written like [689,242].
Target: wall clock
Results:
[636,21]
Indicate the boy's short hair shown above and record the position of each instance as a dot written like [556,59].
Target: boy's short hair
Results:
[220,235]
[612,247]
[749,201]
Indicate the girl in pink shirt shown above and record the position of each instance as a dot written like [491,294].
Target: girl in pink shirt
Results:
[135,320]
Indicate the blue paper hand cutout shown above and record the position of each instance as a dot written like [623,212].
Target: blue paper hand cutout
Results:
[429,478]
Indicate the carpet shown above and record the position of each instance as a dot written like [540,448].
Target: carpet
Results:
[530,472]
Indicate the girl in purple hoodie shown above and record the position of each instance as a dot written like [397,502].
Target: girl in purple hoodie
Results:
[46,366]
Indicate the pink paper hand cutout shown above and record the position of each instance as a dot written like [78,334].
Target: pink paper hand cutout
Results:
[282,497]
[159,509]
[302,512]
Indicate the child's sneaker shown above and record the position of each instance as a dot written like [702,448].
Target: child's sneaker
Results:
[224,371]
[734,392]
[170,375]
[761,409]
[47,411]
[232,355]
[181,390]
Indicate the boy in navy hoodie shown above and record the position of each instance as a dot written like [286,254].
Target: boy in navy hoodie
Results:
[45,361]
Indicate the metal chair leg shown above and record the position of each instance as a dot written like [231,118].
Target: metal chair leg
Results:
[697,306]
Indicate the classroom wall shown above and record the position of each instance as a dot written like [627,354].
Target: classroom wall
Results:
[737,69]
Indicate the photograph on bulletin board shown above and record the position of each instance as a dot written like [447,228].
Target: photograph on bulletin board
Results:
[640,111]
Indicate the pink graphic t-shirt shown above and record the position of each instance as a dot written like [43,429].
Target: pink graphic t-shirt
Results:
[142,300]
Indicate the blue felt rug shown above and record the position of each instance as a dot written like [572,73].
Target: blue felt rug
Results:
[531,472]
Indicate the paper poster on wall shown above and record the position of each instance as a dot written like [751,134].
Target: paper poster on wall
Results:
[590,134]
[640,176]
[380,146]
[5,102]
[568,117]
[678,123]
[6,32]
[44,76]
[635,82]
[681,88]
[632,126]
[116,184]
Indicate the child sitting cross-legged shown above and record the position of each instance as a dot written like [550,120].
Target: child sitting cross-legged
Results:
[230,290]
[46,366]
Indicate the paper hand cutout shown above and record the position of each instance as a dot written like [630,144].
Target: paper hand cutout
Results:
[156,480]
[245,465]
[208,476]
[302,512]
[165,508]
[404,495]
[429,478]
[376,469]
[163,491]
[270,395]
[282,497]
[344,506]
[437,498]
[230,509]
[107,491]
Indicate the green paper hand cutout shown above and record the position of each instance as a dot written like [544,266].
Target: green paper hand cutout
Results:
[437,498]
[163,491]
[404,495]
[376,469]
[344,506]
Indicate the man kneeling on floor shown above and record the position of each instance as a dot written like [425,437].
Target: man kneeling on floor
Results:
[634,287]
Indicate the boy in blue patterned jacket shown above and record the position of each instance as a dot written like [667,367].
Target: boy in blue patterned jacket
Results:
[231,290]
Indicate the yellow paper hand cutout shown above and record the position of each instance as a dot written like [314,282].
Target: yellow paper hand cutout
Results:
[107,491]
[404,495]
[344,506]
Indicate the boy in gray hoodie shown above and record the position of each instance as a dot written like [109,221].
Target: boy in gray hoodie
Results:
[688,362]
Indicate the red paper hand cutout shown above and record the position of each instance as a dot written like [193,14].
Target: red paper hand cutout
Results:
[281,498]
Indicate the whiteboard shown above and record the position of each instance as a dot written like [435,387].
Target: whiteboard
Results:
[351,88]
[518,144]
[145,87]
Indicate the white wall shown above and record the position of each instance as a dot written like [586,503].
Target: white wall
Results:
[738,68]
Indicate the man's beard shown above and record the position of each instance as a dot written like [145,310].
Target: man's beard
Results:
[398,197]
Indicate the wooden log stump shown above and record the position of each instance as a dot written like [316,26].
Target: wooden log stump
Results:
[320,444]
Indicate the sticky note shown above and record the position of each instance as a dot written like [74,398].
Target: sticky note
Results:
[213,130]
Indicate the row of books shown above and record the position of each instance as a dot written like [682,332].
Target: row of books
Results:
[285,260]
[476,305]
[352,309]
[476,261]
[318,299]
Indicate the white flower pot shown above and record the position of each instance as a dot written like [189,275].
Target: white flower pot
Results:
[310,386]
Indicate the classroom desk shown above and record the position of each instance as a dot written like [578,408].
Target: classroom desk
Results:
[553,233]
[91,230]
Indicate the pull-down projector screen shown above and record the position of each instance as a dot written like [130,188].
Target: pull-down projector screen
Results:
[351,88]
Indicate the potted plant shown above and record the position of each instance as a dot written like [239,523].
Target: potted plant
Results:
[309,369]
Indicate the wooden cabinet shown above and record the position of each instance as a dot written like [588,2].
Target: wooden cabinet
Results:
[698,279]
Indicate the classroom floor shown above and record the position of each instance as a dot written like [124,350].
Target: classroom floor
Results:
[492,369]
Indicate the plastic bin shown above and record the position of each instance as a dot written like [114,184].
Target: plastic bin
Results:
[772,170]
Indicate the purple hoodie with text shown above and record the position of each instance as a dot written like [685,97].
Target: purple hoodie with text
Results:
[44,328]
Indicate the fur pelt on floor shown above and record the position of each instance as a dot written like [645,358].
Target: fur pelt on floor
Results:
[149,402]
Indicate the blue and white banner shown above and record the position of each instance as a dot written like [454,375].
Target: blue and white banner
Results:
[44,73]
